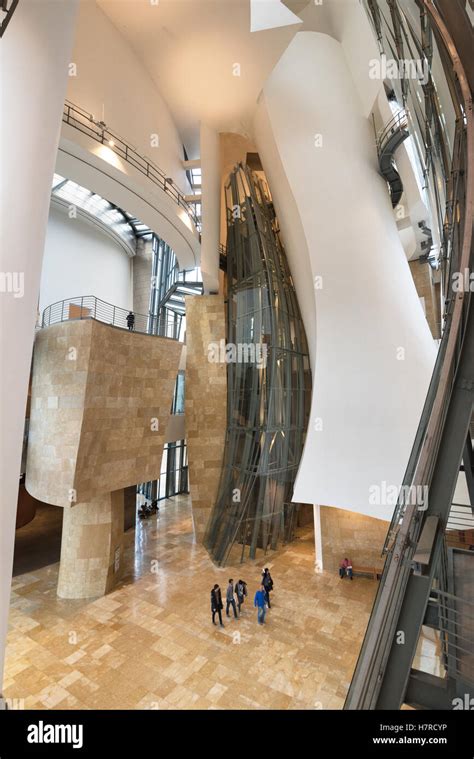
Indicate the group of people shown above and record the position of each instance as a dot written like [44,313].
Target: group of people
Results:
[147,510]
[238,592]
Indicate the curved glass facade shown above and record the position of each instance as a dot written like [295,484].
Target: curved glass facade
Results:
[268,381]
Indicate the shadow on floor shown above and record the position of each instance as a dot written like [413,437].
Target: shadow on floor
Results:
[38,543]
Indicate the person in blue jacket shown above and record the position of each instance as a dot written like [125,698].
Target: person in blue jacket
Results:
[261,604]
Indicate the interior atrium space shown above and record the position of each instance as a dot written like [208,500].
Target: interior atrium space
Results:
[237,372]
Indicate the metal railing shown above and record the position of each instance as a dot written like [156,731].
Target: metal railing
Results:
[85,122]
[166,324]
[399,122]
[461,517]
[456,625]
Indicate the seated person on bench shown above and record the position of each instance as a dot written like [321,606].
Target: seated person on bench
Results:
[345,568]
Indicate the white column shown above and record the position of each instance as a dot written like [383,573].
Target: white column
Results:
[371,349]
[210,206]
[35,53]
[318,542]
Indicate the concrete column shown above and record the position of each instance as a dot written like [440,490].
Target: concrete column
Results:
[210,205]
[35,53]
[92,546]
[142,264]
[318,541]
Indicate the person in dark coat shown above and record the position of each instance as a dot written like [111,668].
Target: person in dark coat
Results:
[130,320]
[240,592]
[216,604]
[267,583]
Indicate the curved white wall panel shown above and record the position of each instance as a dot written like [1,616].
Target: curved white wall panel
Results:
[35,52]
[211,207]
[270,15]
[98,168]
[109,81]
[372,351]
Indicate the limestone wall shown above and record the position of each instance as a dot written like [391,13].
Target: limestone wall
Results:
[92,547]
[96,391]
[206,398]
[347,533]
[422,279]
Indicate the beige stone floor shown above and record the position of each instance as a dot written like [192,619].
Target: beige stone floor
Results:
[150,644]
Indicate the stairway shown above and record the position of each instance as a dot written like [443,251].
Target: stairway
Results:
[388,143]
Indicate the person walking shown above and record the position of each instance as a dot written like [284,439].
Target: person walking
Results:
[261,604]
[230,600]
[216,604]
[267,583]
[240,592]
[130,320]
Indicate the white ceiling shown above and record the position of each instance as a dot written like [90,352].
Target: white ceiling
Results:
[190,48]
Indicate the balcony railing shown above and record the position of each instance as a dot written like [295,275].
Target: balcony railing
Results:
[86,123]
[166,324]
[398,123]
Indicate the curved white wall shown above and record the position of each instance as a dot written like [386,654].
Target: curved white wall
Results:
[108,81]
[112,84]
[368,314]
[35,52]
[81,260]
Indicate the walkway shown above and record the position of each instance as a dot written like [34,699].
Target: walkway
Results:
[151,645]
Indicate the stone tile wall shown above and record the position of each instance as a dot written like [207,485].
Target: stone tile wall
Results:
[422,279]
[206,401]
[347,533]
[92,547]
[96,393]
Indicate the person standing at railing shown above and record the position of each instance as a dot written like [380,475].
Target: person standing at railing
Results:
[131,320]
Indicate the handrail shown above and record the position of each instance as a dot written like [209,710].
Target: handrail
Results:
[84,122]
[166,324]
[398,122]
[455,617]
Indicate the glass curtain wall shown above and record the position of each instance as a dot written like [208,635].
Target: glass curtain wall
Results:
[268,381]
[174,470]
[173,474]
[165,271]
[174,466]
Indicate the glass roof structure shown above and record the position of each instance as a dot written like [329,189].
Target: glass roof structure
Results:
[121,223]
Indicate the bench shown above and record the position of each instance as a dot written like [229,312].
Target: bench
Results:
[374,572]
